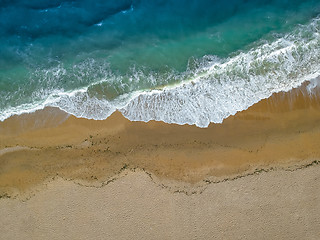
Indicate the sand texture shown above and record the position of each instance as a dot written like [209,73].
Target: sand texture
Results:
[256,176]
[274,205]
[281,131]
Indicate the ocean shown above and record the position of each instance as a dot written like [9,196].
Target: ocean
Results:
[179,61]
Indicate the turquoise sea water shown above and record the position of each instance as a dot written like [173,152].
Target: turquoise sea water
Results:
[178,61]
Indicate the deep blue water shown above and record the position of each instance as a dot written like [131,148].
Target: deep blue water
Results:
[90,58]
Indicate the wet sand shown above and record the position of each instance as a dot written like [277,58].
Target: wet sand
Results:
[282,131]
[43,155]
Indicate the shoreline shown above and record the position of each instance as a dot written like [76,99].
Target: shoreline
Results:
[256,174]
[278,132]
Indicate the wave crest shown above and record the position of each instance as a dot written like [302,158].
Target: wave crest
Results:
[238,83]
[211,91]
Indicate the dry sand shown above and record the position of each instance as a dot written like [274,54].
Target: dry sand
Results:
[273,205]
[181,181]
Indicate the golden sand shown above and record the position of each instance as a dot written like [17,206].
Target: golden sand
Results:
[256,176]
[279,132]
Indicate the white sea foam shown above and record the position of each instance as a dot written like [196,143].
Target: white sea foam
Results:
[214,91]
[236,84]
[128,10]
[99,24]
[314,83]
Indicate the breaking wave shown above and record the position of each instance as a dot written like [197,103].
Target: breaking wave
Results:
[210,92]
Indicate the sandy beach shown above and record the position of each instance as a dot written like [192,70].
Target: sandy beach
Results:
[162,119]
[273,205]
[256,174]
